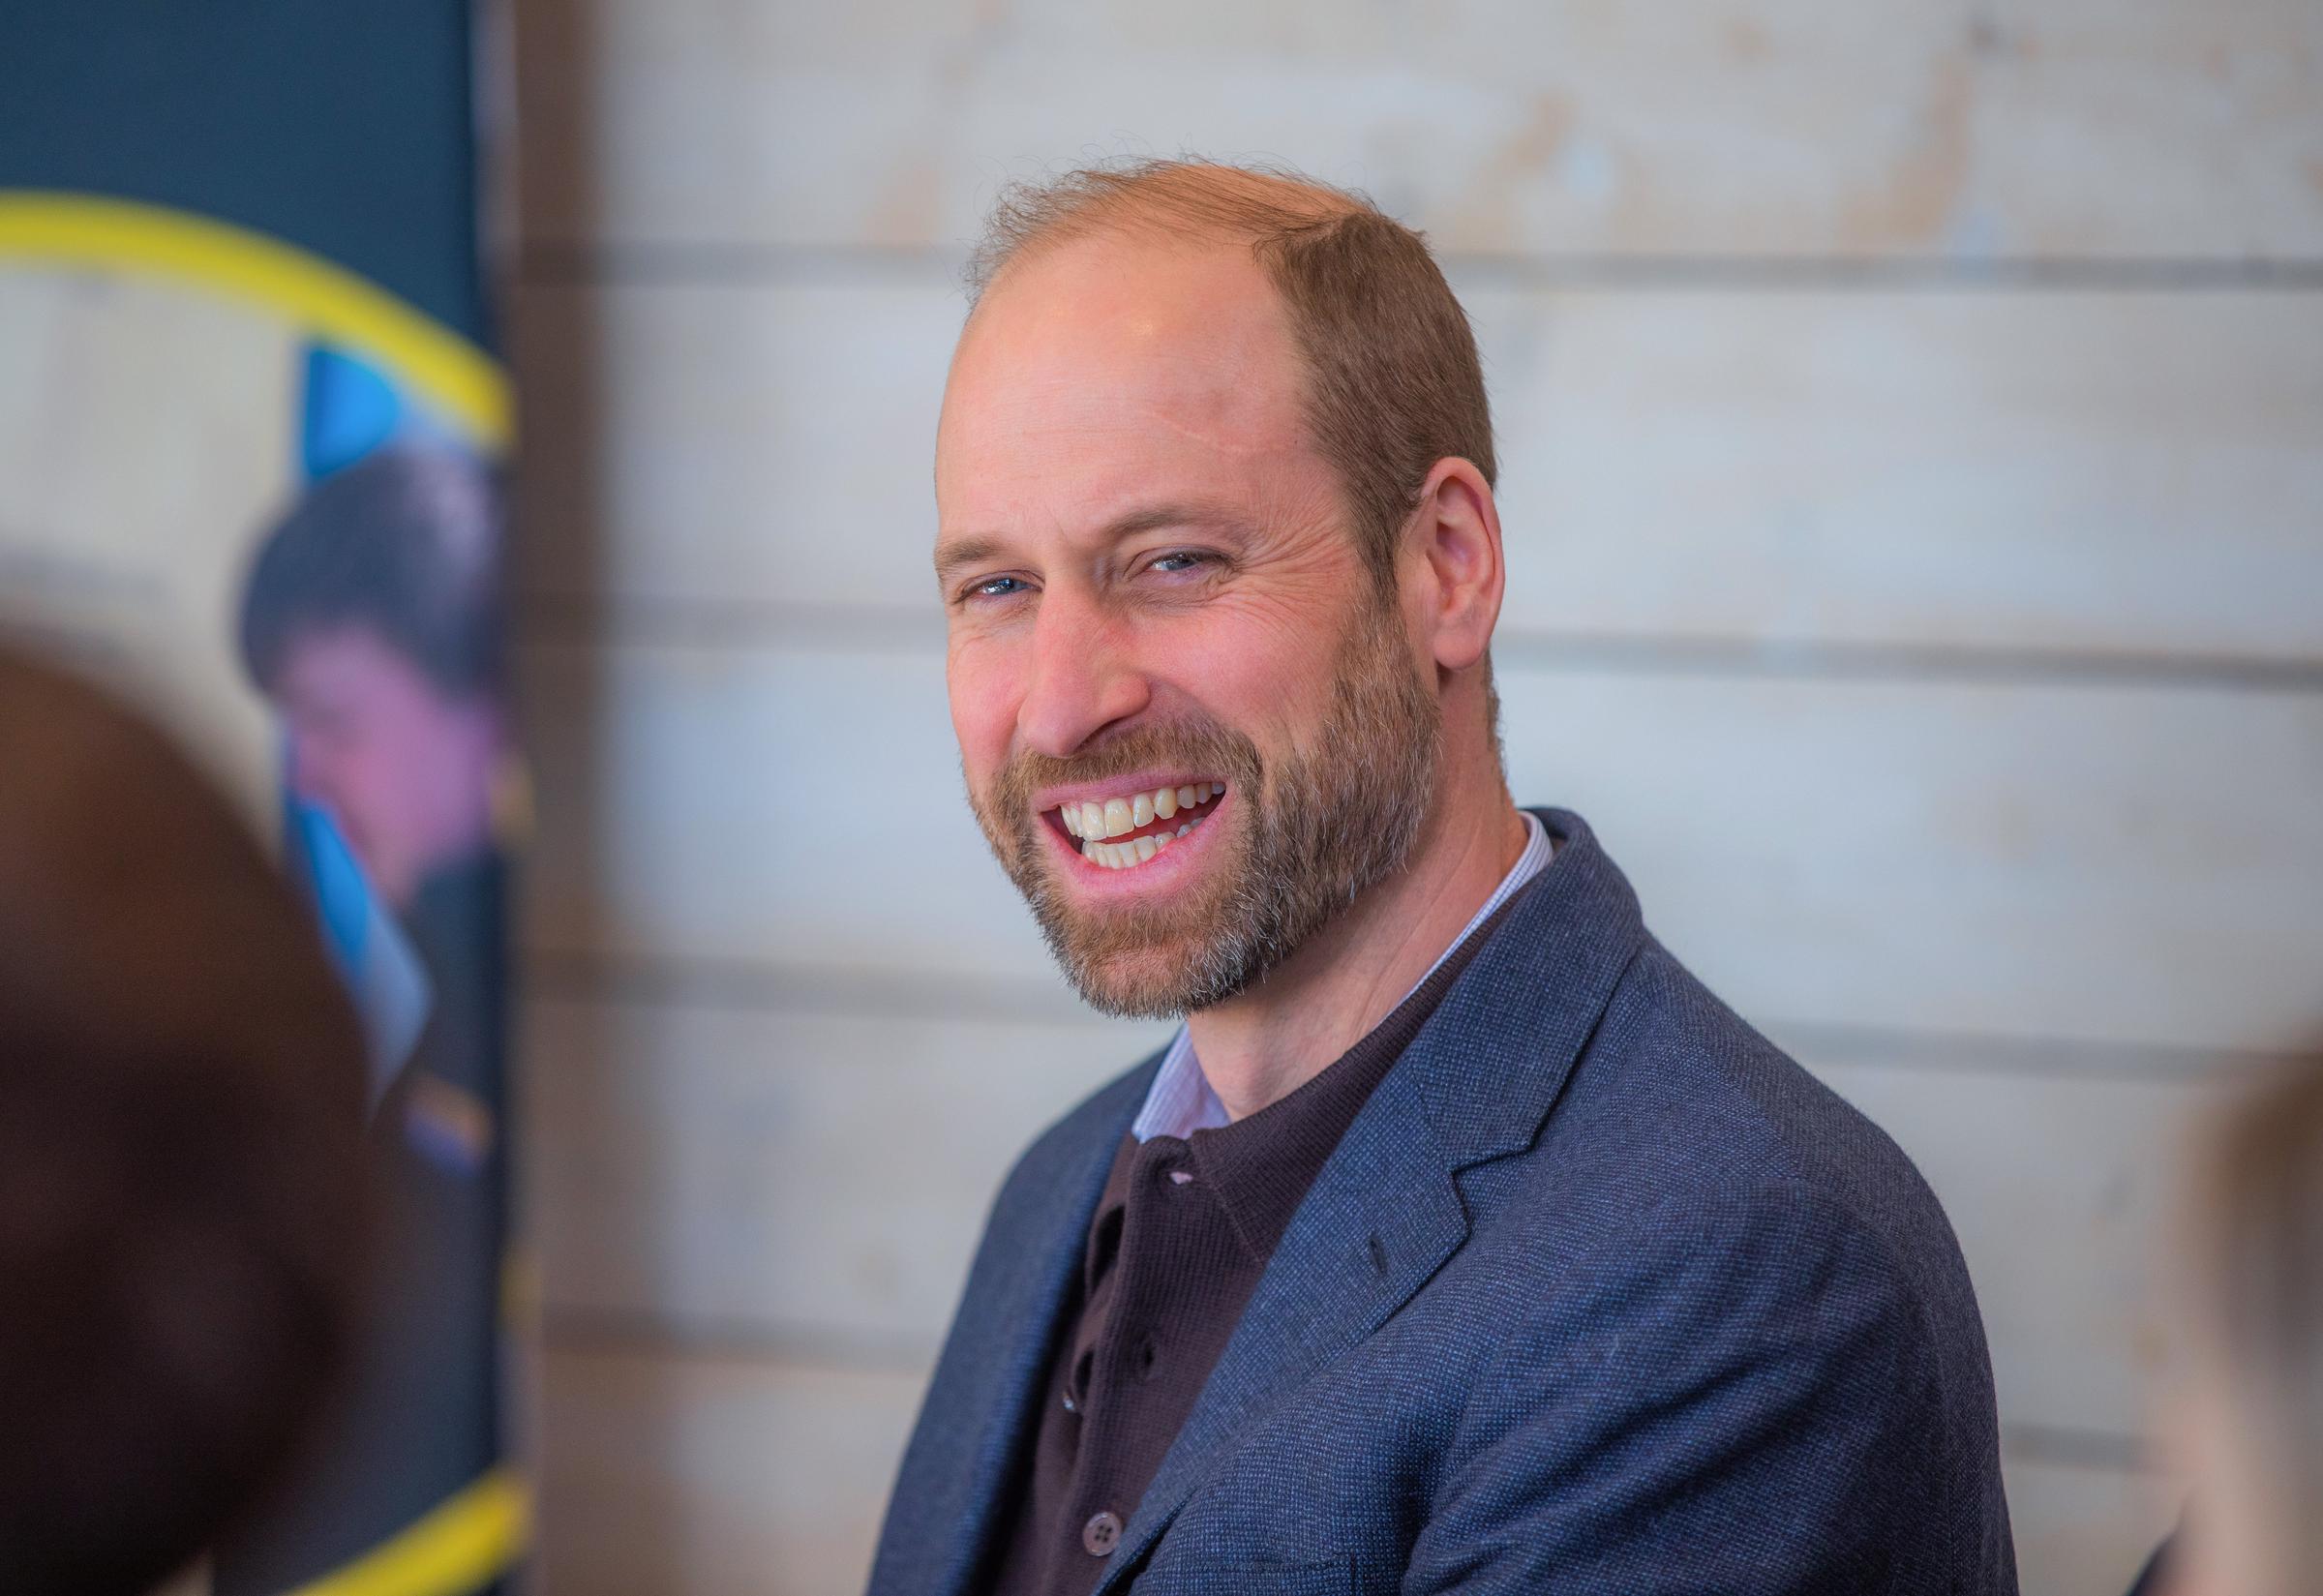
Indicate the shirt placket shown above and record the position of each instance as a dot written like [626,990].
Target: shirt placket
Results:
[1166,1226]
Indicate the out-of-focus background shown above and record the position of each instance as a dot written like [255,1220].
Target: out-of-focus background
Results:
[1912,420]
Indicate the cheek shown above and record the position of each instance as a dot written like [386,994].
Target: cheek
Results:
[983,707]
[373,785]
[329,763]
[389,762]
[1264,668]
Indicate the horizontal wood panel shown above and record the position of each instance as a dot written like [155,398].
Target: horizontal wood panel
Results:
[2131,866]
[821,1180]
[2083,1531]
[1930,127]
[819,1176]
[2128,473]
[687,1475]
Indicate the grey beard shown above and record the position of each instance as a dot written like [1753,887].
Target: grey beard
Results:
[1336,819]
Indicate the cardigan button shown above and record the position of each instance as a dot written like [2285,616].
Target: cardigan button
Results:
[1100,1535]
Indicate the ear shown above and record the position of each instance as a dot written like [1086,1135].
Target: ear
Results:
[1453,575]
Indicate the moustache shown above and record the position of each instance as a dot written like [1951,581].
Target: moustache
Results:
[1198,746]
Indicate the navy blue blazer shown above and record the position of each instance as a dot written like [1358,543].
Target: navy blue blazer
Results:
[1600,1293]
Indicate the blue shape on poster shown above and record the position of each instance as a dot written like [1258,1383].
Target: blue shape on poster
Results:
[335,879]
[350,409]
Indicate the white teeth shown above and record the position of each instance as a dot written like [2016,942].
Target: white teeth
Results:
[1114,817]
[1125,856]
[1094,822]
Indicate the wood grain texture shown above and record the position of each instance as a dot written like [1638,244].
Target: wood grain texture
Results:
[700,1475]
[817,1177]
[2043,128]
[2123,865]
[2131,473]
[2083,1531]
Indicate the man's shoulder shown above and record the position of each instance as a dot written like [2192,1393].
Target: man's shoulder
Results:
[1724,1105]
[1682,1130]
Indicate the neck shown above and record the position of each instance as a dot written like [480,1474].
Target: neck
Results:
[1258,1047]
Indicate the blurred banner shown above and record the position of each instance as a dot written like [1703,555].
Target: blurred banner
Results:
[251,452]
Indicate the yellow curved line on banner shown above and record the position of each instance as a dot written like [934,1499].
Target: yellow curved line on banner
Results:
[470,1540]
[459,379]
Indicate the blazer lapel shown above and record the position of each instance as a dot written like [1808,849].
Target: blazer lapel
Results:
[1386,1212]
[1380,1220]
[987,1387]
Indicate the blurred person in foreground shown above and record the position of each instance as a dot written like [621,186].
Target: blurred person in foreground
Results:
[181,1107]
[2251,1269]
[370,620]
[1461,1240]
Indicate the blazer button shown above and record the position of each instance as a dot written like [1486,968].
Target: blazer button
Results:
[1100,1535]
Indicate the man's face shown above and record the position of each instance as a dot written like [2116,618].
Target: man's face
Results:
[1153,588]
[403,770]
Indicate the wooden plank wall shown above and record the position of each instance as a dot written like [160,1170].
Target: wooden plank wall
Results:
[1912,431]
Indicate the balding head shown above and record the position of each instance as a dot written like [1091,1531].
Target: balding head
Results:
[1390,383]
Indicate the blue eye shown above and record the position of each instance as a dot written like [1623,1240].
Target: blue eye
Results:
[1182,559]
[999,587]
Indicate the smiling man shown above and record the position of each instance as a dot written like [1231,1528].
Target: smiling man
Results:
[1461,1240]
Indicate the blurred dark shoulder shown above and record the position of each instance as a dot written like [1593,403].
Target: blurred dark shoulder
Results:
[182,1206]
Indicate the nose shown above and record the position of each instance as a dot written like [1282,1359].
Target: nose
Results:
[1084,678]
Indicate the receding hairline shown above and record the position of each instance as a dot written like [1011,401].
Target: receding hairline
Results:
[1390,380]
[1175,201]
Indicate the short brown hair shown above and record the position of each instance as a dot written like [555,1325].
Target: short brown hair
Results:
[407,542]
[1392,382]
[181,1166]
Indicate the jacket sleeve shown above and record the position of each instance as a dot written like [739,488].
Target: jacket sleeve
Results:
[1737,1396]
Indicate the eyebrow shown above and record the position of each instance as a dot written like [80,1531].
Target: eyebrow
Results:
[954,557]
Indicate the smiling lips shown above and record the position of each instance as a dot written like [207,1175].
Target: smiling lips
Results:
[1120,834]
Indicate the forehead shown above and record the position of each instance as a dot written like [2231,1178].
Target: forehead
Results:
[347,657]
[1107,369]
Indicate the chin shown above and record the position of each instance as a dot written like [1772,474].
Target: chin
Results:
[1136,983]
[1132,987]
